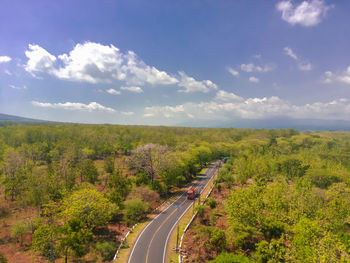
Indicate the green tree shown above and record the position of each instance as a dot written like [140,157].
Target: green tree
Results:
[134,210]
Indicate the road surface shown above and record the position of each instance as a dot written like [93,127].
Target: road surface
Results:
[150,246]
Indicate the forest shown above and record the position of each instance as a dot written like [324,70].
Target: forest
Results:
[69,191]
[278,199]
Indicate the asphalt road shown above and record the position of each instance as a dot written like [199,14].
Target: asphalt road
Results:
[150,246]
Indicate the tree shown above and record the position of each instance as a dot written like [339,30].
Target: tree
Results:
[134,210]
[151,158]
[45,241]
[14,173]
[18,229]
[109,165]
[88,206]
[88,171]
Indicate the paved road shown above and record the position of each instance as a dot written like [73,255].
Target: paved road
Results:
[150,246]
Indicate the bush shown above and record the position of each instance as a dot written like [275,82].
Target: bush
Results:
[143,193]
[106,250]
[212,203]
[200,210]
[18,229]
[134,210]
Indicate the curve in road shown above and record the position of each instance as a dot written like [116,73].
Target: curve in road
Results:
[151,244]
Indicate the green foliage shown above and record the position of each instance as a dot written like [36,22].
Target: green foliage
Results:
[212,203]
[18,229]
[88,206]
[216,238]
[292,168]
[106,249]
[134,210]
[109,165]
[200,209]
[272,252]
[89,172]
[44,241]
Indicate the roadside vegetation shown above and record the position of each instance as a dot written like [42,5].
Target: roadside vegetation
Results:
[72,191]
[278,199]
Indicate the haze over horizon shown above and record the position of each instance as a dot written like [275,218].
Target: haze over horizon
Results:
[162,62]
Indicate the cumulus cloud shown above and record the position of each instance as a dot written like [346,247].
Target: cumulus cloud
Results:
[233,72]
[225,96]
[254,68]
[189,84]
[92,106]
[132,89]
[343,76]
[4,59]
[95,63]
[235,107]
[113,92]
[302,64]
[307,13]
[254,80]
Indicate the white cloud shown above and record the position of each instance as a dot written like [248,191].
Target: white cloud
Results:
[39,60]
[343,77]
[225,96]
[132,89]
[252,108]
[96,63]
[4,59]
[233,72]
[92,106]
[113,92]
[302,64]
[307,13]
[18,87]
[191,85]
[255,68]
[254,80]
[288,51]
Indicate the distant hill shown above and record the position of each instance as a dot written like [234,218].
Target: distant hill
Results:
[276,123]
[6,117]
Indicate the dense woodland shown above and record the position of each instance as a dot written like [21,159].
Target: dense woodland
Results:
[279,199]
[288,193]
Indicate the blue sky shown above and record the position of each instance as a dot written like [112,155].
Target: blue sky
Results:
[171,62]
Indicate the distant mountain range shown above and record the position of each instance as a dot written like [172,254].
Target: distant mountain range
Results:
[6,117]
[276,123]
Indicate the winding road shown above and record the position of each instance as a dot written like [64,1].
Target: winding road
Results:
[151,244]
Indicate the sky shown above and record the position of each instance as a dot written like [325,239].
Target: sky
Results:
[166,62]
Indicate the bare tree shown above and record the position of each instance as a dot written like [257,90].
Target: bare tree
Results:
[151,158]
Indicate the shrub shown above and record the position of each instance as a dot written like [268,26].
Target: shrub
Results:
[106,250]
[134,210]
[200,210]
[212,203]
[18,229]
